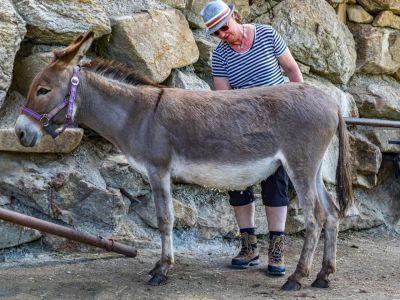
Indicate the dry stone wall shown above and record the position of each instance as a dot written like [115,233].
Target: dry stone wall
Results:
[349,49]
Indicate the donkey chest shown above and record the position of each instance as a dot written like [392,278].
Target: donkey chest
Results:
[230,176]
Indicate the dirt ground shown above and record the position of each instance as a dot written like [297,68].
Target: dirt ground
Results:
[368,267]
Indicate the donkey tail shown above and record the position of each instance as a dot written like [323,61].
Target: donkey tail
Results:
[343,171]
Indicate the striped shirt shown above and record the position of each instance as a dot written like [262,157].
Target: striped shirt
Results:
[258,66]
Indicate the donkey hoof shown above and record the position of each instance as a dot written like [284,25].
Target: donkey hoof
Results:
[158,280]
[320,283]
[291,285]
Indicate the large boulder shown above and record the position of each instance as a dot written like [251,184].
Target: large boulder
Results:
[128,7]
[61,22]
[316,37]
[376,96]
[12,32]
[154,42]
[378,49]
[70,189]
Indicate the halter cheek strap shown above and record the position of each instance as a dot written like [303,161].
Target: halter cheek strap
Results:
[45,119]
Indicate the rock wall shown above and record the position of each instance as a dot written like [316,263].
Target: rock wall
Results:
[350,49]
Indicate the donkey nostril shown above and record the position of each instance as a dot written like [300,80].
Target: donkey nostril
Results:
[21,135]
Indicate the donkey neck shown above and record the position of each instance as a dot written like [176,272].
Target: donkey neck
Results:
[110,107]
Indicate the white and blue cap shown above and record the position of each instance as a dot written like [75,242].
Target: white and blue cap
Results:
[215,15]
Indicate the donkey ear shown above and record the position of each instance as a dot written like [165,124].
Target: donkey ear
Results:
[75,51]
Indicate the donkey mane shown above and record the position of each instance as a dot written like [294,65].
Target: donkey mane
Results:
[119,72]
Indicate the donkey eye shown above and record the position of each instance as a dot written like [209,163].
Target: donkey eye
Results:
[42,91]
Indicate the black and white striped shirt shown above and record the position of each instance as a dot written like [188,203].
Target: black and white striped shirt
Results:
[258,66]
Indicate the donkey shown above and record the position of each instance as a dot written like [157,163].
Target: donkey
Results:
[220,139]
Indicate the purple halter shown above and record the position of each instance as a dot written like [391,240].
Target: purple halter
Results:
[69,100]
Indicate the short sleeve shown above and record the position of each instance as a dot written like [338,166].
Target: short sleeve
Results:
[279,44]
[218,65]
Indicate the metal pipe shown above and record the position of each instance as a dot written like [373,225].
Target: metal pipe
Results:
[97,241]
[372,122]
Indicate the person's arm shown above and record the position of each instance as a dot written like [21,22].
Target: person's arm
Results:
[290,66]
[221,83]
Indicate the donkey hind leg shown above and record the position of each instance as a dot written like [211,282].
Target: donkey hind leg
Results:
[313,216]
[330,235]
[161,188]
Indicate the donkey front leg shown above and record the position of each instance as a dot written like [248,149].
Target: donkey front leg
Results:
[161,187]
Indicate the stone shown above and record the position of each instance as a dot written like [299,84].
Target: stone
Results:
[366,157]
[117,8]
[387,18]
[179,4]
[214,214]
[261,7]
[26,69]
[380,136]
[13,235]
[378,49]
[64,143]
[118,174]
[206,44]
[186,79]
[375,6]
[185,215]
[61,22]
[12,32]
[378,205]
[396,75]
[154,42]
[358,14]
[315,37]
[341,12]
[376,96]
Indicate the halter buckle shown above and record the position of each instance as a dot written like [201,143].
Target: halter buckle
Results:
[74,80]
[44,119]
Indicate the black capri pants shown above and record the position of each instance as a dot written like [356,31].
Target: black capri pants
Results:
[274,191]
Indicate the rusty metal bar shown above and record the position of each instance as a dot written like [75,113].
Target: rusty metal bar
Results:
[97,241]
[372,122]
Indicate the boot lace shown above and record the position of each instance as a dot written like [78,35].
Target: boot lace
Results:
[276,249]
[246,245]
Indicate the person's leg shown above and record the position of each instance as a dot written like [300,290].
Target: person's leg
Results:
[274,193]
[245,215]
[244,208]
[276,218]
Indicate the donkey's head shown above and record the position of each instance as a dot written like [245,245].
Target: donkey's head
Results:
[49,94]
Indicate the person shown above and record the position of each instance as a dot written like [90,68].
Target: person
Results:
[252,55]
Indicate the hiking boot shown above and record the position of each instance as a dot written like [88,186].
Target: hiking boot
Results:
[276,263]
[248,255]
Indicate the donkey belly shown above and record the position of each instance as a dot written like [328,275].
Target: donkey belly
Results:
[222,175]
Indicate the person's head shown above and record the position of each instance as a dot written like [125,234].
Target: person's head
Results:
[219,19]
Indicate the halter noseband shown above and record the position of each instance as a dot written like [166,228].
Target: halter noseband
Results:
[69,100]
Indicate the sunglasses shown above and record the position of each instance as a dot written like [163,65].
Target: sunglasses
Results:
[223,29]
